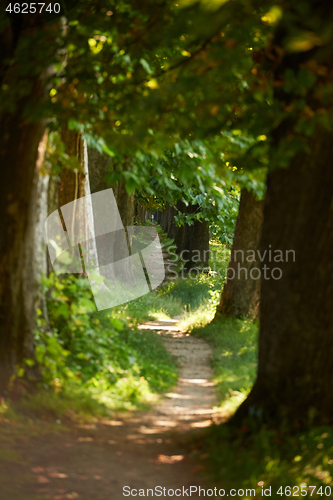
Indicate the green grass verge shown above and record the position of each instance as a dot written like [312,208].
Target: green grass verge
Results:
[284,464]
[156,305]
[234,360]
[183,296]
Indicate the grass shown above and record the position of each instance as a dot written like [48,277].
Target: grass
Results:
[234,361]
[194,298]
[283,463]
[156,305]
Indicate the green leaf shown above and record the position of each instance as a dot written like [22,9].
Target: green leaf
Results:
[117,324]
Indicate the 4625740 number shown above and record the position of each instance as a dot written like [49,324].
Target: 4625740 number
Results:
[33,8]
[303,491]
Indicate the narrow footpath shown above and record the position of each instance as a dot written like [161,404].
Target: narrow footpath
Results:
[114,459]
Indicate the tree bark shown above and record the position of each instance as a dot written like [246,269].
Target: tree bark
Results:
[241,292]
[177,233]
[196,241]
[125,203]
[294,382]
[296,335]
[113,247]
[99,168]
[192,242]
[40,252]
[72,186]
[52,205]
[140,213]
[19,142]
[166,221]
[91,246]
[72,183]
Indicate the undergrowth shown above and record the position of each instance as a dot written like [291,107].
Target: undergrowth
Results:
[92,362]
[284,464]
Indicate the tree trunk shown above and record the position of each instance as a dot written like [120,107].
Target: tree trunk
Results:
[72,183]
[294,380]
[192,242]
[241,292]
[177,233]
[19,142]
[113,247]
[91,246]
[40,253]
[140,213]
[52,205]
[72,186]
[99,168]
[125,203]
[196,242]
[296,335]
[166,221]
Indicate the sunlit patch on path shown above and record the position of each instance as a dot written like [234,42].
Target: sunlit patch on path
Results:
[191,403]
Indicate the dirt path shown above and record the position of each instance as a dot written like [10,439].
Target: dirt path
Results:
[138,452]
[191,404]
